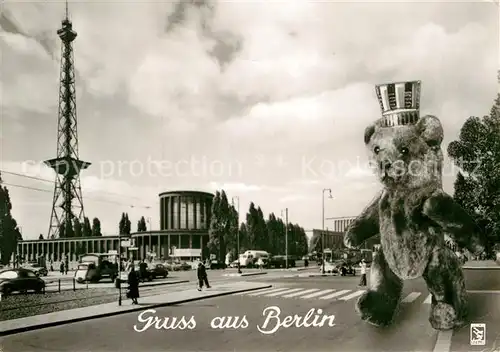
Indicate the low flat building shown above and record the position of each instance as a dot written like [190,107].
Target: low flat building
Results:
[184,222]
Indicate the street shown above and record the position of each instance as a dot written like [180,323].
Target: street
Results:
[333,295]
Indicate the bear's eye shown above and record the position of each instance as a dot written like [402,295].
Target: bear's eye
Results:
[376,150]
[404,150]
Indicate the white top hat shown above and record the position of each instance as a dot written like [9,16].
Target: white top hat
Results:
[399,102]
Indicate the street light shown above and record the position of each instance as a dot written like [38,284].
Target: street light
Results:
[238,231]
[323,226]
[286,236]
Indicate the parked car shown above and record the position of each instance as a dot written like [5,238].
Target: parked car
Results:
[177,266]
[37,269]
[344,269]
[234,264]
[158,270]
[215,264]
[330,268]
[277,261]
[20,280]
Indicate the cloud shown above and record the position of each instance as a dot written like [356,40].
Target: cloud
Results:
[294,198]
[234,187]
[233,81]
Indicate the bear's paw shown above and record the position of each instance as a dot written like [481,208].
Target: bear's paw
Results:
[376,309]
[443,317]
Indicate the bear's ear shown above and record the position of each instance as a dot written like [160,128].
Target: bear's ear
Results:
[369,131]
[430,129]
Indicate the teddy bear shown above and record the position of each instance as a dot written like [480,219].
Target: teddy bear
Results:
[411,214]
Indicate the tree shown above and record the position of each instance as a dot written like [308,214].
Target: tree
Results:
[128,225]
[252,227]
[232,232]
[243,238]
[477,186]
[86,228]
[40,237]
[10,234]
[77,227]
[124,225]
[96,227]
[220,224]
[69,230]
[273,234]
[141,225]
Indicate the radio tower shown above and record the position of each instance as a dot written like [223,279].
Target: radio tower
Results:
[68,202]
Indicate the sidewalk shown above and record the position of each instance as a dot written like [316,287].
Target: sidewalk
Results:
[481,264]
[53,286]
[15,326]
[245,274]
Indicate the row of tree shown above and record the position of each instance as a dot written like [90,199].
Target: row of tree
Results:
[255,233]
[85,229]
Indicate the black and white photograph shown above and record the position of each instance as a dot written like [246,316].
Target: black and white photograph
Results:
[249,175]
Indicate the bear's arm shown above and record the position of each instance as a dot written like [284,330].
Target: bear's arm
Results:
[365,226]
[454,220]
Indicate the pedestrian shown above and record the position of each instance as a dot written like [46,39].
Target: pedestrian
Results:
[51,265]
[201,272]
[66,266]
[260,263]
[61,268]
[133,285]
[143,270]
[362,264]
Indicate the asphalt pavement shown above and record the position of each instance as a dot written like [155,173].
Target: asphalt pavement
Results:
[293,296]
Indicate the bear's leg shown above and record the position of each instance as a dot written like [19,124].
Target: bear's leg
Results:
[378,305]
[445,281]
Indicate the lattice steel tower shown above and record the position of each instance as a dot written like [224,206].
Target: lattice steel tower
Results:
[68,202]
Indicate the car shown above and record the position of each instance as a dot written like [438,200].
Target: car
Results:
[20,280]
[344,269]
[215,264]
[37,269]
[177,266]
[158,270]
[277,261]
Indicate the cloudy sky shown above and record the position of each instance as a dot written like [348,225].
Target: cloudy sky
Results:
[267,100]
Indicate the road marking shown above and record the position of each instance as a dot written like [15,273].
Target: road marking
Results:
[267,291]
[428,300]
[282,292]
[352,295]
[316,294]
[301,292]
[443,341]
[411,297]
[483,291]
[336,294]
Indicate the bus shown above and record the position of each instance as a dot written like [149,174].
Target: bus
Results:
[93,267]
[250,257]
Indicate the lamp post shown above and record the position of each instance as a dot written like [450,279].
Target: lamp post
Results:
[238,231]
[286,236]
[323,226]
[119,269]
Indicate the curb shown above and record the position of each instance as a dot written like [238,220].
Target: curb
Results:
[481,268]
[153,284]
[138,309]
[244,274]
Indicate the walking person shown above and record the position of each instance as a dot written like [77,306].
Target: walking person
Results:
[133,285]
[260,264]
[362,264]
[61,268]
[201,272]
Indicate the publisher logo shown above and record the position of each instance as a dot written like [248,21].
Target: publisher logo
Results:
[477,334]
